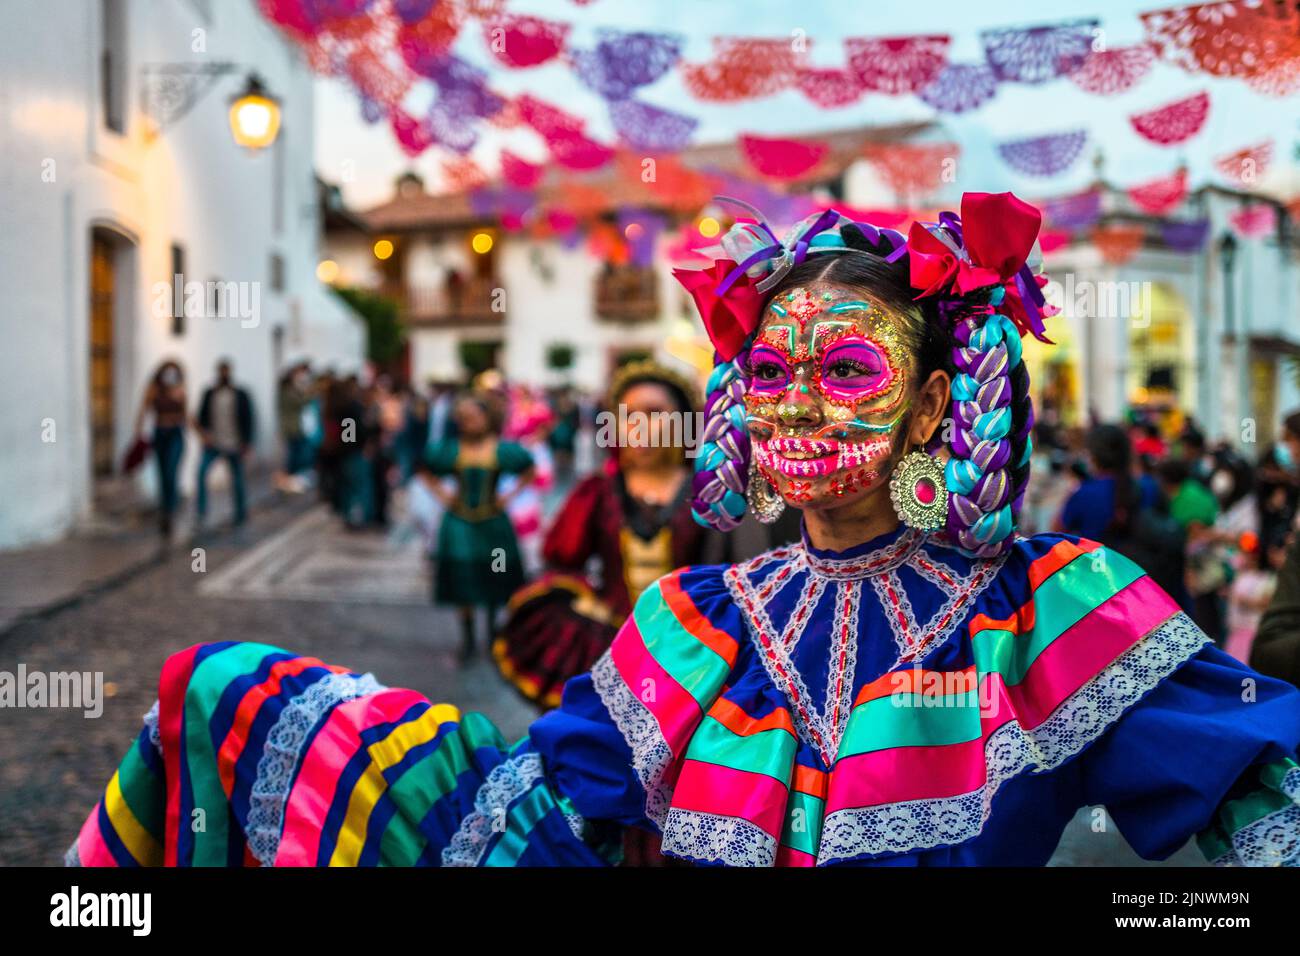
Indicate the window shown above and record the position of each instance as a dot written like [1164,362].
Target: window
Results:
[177,279]
[277,272]
[112,64]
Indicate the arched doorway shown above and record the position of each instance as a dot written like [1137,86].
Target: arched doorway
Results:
[112,288]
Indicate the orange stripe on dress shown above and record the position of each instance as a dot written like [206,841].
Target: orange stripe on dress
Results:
[911,681]
[691,618]
[810,780]
[735,719]
[1061,554]
[249,705]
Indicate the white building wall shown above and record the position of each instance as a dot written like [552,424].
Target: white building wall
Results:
[65,172]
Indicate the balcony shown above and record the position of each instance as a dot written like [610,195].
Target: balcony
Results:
[477,301]
[627,294]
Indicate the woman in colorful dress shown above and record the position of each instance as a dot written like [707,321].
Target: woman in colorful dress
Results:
[911,684]
[477,564]
[633,518]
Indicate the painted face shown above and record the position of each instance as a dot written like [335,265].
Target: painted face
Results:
[828,393]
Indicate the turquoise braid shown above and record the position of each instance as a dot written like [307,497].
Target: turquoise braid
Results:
[990,448]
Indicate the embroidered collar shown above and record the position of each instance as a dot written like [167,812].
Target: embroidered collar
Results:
[877,556]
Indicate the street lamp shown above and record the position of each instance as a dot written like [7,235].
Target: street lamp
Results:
[254,116]
[168,92]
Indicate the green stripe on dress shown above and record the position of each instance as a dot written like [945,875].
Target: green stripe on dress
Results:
[202,695]
[521,819]
[421,785]
[912,720]
[770,752]
[803,822]
[691,663]
[144,792]
[1060,602]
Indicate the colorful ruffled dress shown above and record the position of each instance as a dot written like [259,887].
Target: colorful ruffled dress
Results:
[560,624]
[896,704]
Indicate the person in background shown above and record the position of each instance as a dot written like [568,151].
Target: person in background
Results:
[1276,650]
[478,559]
[1252,590]
[164,398]
[293,395]
[563,437]
[414,435]
[225,422]
[1126,512]
[1195,508]
[1149,443]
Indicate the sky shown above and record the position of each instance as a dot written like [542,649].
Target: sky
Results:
[365,159]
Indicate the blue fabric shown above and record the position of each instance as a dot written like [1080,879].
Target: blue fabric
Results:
[1089,511]
[236,462]
[168,446]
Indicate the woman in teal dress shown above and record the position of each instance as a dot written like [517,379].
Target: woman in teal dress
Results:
[478,559]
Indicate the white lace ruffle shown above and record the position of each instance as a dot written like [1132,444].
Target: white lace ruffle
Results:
[280,755]
[73,856]
[151,721]
[1011,749]
[651,755]
[1273,840]
[717,839]
[505,783]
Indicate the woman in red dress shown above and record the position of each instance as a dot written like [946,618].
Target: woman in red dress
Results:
[632,519]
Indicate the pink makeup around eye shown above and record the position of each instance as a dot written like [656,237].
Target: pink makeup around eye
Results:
[877,378]
[762,355]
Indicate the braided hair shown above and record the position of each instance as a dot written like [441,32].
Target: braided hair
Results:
[987,423]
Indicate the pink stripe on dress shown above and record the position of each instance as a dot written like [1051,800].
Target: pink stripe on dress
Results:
[318,775]
[710,788]
[92,849]
[673,707]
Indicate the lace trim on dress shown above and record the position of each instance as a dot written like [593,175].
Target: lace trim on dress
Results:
[280,755]
[1012,749]
[731,841]
[151,721]
[651,755]
[1273,840]
[876,561]
[507,782]
[73,856]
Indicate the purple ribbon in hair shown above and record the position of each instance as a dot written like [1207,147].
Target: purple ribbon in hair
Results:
[785,258]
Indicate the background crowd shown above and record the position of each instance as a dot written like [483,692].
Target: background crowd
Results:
[485,469]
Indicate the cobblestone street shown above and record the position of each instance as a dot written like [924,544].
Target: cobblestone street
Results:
[292,578]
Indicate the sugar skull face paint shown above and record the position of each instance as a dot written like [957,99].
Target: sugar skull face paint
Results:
[827,394]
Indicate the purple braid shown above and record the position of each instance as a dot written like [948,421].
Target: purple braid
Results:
[990,447]
[722,461]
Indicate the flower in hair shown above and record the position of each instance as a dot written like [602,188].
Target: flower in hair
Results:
[730,317]
[988,245]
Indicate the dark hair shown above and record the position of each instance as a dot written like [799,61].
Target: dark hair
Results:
[1291,425]
[1112,453]
[1173,471]
[164,366]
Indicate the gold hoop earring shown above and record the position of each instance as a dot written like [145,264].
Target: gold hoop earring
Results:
[765,502]
[919,491]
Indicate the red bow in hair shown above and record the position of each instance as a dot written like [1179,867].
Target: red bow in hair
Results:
[730,318]
[997,232]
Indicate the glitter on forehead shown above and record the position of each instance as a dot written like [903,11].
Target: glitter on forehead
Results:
[779,336]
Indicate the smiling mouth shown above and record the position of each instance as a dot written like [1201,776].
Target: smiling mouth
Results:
[816,457]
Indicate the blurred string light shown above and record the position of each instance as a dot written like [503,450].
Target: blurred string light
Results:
[327,271]
[383,249]
[481,243]
[709,227]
